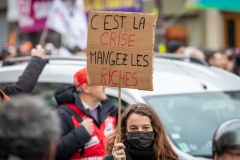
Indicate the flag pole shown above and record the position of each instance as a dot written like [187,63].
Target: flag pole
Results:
[43,36]
[119,113]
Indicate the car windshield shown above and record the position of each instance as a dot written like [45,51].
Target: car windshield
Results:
[191,119]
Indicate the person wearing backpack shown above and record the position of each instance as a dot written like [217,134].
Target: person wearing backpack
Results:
[27,81]
[87,117]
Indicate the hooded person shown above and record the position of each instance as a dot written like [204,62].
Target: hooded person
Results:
[226,140]
[87,117]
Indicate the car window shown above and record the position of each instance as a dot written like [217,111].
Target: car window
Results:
[191,119]
[115,101]
[45,90]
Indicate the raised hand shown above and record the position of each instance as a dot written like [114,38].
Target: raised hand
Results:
[38,51]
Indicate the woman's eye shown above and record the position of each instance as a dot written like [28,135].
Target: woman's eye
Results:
[146,128]
[132,129]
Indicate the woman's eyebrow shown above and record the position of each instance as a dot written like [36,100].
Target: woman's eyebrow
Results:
[147,125]
[132,125]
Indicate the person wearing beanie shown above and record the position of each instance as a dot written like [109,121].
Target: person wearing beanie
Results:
[87,117]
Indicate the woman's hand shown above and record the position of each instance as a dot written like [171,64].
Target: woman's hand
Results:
[118,150]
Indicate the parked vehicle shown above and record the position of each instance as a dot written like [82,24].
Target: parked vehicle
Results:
[191,99]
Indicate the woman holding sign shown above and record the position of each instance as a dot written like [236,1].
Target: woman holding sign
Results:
[143,137]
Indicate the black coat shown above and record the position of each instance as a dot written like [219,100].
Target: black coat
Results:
[74,139]
[27,81]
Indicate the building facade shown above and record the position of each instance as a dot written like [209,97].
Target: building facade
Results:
[205,29]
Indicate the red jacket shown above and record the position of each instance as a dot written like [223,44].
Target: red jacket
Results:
[94,149]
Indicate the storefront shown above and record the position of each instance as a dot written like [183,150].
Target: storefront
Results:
[3,25]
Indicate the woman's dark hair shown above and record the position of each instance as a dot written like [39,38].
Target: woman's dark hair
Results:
[162,147]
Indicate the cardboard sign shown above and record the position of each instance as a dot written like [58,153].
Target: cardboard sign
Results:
[120,49]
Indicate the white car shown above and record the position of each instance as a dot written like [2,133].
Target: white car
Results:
[190,99]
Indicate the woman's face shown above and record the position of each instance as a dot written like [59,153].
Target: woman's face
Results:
[137,122]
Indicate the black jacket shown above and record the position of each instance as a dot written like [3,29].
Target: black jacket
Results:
[27,81]
[74,139]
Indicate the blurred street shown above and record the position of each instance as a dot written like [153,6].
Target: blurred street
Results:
[191,79]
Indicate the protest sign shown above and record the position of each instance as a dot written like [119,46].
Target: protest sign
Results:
[120,49]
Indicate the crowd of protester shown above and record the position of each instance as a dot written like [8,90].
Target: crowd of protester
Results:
[228,59]
[25,48]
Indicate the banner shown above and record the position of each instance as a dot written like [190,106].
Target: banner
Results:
[114,5]
[120,49]
[32,14]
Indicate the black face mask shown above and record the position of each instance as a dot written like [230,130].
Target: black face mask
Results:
[140,140]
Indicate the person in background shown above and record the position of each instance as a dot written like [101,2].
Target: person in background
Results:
[143,137]
[54,45]
[217,59]
[61,51]
[176,47]
[24,49]
[29,129]
[226,141]
[27,81]
[4,53]
[192,51]
[230,59]
[87,117]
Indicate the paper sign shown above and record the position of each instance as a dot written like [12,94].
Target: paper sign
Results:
[120,49]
